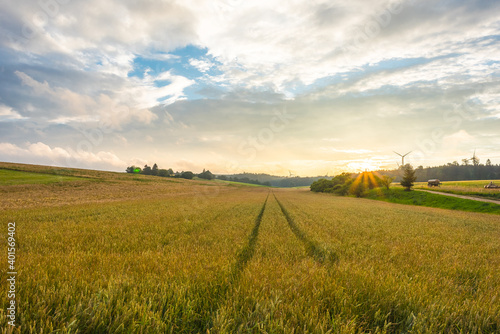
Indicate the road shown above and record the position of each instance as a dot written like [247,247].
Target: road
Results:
[462,196]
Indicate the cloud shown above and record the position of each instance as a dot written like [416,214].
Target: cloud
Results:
[79,104]
[44,154]
[458,139]
[74,27]
[130,102]
[174,90]
[257,44]
[294,42]
[202,65]
[7,113]
[202,77]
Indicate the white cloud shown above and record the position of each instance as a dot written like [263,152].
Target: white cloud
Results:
[130,102]
[96,26]
[458,139]
[202,65]
[7,113]
[44,154]
[148,93]
[42,150]
[74,119]
[268,43]
[120,140]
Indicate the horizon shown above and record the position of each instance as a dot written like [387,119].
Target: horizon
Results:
[245,172]
[307,88]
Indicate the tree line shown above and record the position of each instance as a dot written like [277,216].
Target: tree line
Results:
[273,180]
[147,170]
[359,185]
[468,169]
[347,184]
[243,180]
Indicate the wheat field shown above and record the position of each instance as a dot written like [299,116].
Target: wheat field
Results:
[149,255]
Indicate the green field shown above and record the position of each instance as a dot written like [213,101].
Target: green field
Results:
[421,198]
[11,177]
[127,256]
[468,188]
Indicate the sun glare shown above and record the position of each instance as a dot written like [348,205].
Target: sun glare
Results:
[363,166]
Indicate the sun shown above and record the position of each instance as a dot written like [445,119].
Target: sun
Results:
[363,166]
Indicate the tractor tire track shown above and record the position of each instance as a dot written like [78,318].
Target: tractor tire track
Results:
[223,291]
[313,249]
[247,252]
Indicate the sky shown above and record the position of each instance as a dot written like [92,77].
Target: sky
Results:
[310,87]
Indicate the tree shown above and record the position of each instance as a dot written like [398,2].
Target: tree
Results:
[146,170]
[133,169]
[409,177]
[154,171]
[340,185]
[488,162]
[358,189]
[321,185]
[206,174]
[187,175]
[465,162]
[386,181]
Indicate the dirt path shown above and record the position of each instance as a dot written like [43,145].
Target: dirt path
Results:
[462,196]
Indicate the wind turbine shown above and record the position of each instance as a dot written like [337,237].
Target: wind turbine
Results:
[475,159]
[402,157]
[289,172]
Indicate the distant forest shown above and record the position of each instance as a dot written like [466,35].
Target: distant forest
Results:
[271,180]
[468,170]
[156,171]
[250,178]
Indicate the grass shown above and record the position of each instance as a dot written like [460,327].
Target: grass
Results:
[401,268]
[130,256]
[420,198]
[12,177]
[467,188]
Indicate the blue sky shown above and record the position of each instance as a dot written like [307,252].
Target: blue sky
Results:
[314,87]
